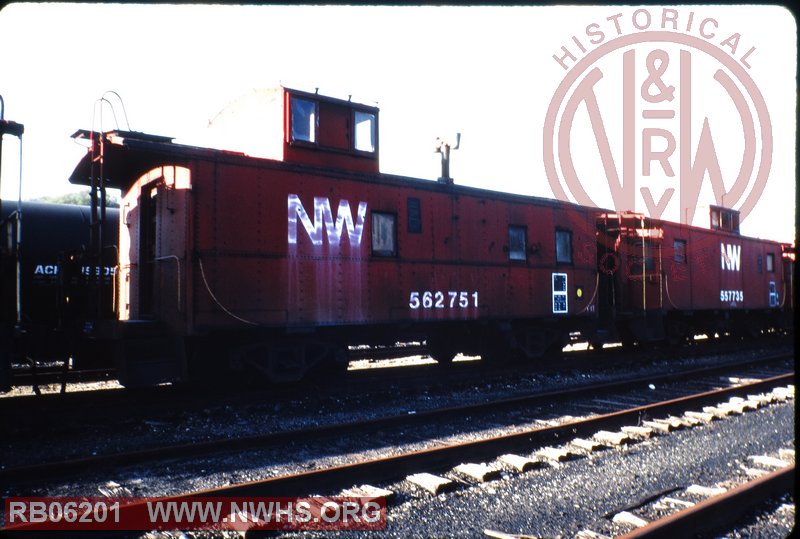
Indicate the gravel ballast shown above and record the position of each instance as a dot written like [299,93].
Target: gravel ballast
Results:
[576,495]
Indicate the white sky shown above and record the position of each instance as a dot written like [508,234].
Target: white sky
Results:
[487,72]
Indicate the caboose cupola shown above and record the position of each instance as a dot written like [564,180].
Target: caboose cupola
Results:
[330,132]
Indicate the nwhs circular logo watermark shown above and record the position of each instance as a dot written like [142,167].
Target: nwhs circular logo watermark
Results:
[657,113]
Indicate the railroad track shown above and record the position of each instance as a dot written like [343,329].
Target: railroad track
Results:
[587,395]
[585,435]
[436,459]
[716,511]
[694,511]
[43,376]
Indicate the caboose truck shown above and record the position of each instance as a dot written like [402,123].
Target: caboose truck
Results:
[281,259]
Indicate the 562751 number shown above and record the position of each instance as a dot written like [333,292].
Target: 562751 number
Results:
[442,300]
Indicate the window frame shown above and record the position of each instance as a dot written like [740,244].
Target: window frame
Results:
[571,255]
[715,219]
[414,215]
[637,263]
[683,258]
[770,263]
[514,254]
[314,141]
[380,252]
[725,222]
[374,131]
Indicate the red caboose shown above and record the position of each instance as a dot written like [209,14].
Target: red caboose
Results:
[661,279]
[282,263]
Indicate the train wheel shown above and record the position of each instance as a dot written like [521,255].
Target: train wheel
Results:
[334,364]
[677,333]
[597,345]
[497,349]
[208,365]
[442,349]
[284,363]
[555,349]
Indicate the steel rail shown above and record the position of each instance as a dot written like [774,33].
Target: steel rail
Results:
[56,375]
[441,458]
[58,469]
[718,511]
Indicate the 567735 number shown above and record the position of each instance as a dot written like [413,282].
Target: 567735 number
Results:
[442,300]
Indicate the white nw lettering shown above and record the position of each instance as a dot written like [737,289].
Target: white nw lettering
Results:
[324,215]
[730,256]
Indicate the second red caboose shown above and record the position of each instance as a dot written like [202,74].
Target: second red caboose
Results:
[662,280]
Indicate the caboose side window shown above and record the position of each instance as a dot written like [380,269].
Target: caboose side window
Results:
[563,247]
[304,120]
[725,221]
[679,249]
[517,241]
[364,140]
[714,219]
[770,263]
[638,257]
[760,264]
[384,234]
[414,215]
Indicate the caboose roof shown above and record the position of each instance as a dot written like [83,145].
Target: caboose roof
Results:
[126,156]
[281,124]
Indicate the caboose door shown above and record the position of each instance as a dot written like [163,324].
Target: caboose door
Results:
[607,271]
[148,211]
